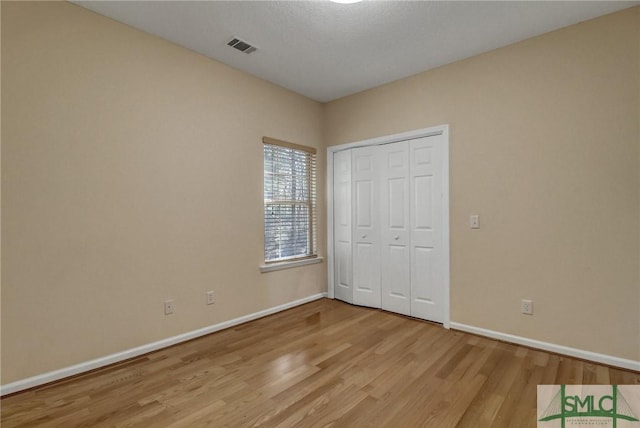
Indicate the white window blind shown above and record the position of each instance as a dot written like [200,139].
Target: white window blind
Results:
[289,201]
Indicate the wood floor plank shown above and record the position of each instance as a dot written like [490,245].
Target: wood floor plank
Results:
[325,363]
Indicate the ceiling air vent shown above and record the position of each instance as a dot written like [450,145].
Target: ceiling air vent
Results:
[241,46]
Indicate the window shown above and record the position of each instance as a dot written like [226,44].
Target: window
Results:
[289,201]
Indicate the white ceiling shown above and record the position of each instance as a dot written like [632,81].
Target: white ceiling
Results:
[326,50]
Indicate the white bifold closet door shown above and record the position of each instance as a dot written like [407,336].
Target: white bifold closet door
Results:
[427,257]
[366,227]
[343,276]
[395,239]
[387,203]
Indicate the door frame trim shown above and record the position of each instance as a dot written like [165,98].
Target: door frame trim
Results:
[442,130]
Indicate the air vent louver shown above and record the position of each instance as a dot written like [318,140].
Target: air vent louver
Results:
[241,46]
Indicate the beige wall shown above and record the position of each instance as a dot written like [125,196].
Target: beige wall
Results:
[131,173]
[545,146]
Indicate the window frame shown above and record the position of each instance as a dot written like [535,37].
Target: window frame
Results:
[311,255]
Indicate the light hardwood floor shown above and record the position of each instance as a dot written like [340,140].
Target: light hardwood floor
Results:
[325,363]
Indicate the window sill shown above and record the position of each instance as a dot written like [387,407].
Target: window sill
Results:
[288,265]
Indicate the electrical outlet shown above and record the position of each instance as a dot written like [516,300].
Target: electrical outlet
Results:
[527,307]
[168,307]
[211,297]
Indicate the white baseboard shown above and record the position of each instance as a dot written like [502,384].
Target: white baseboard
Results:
[41,379]
[551,347]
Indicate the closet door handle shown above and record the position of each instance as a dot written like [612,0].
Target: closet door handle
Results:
[364,236]
[396,237]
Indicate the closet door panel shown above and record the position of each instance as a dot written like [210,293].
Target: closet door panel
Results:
[366,229]
[427,291]
[343,284]
[395,279]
